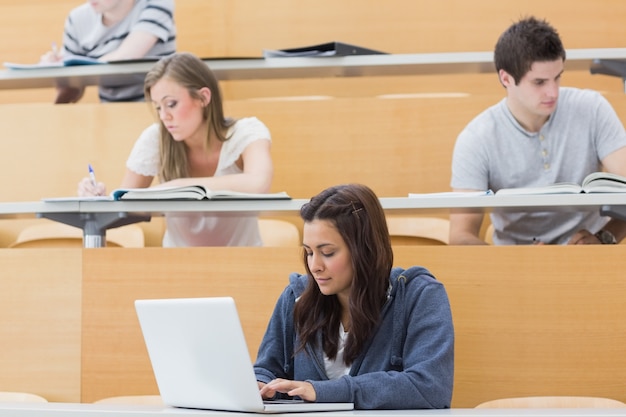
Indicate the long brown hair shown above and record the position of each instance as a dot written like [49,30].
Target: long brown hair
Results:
[359,218]
[192,73]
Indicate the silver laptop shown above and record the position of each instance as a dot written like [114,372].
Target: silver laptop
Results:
[200,357]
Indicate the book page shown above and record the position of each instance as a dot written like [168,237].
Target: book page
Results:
[604,182]
[559,188]
[236,195]
[67,62]
[191,192]
[451,194]
[77,198]
[17,66]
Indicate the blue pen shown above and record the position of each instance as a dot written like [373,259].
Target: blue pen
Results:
[92,175]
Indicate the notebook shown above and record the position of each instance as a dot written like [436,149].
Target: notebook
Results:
[200,357]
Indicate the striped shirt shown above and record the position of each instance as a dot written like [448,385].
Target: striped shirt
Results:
[85,35]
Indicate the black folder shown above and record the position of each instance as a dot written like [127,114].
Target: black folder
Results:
[323,49]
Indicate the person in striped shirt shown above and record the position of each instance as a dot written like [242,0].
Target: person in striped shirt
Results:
[114,30]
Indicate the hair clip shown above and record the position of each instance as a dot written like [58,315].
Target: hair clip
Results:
[354,209]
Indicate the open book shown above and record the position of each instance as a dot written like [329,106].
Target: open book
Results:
[596,182]
[67,62]
[191,192]
[451,194]
[77,60]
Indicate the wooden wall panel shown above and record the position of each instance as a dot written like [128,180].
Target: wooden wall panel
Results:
[40,330]
[240,28]
[46,148]
[528,320]
[234,28]
[115,361]
[395,145]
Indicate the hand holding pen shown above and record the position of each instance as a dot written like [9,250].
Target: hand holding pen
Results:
[89,186]
[92,176]
[52,56]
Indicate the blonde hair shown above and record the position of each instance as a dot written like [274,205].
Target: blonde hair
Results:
[193,74]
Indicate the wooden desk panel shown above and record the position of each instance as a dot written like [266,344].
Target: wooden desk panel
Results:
[41,322]
[115,361]
[237,28]
[396,146]
[534,320]
[528,320]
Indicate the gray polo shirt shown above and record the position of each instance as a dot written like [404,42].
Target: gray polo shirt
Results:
[494,151]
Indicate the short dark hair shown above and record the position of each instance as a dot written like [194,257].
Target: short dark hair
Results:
[528,41]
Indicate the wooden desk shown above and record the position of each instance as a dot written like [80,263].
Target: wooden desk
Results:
[529,320]
[307,67]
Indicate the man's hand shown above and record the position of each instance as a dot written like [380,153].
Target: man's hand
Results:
[584,237]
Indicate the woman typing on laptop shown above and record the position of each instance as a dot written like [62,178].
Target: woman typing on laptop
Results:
[354,329]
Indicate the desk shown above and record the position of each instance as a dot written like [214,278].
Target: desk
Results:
[528,319]
[95,216]
[301,67]
[614,67]
[77,409]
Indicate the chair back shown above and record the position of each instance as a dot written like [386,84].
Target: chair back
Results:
[489,234]
[14,396]
[54,234]
[553,402]
[416,230]
[132,399]
[275,232]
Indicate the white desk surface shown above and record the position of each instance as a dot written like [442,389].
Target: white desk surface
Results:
[301,67]
[77,409]
[423,204]
[95,217]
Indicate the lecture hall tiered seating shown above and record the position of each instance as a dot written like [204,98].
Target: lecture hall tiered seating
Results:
[529,321]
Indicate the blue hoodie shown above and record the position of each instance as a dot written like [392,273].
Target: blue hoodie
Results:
[407,364]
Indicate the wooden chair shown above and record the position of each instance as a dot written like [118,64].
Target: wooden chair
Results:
[489,234]
[415,230]
[132,399]
[553,402]
[14,396]
[54,234]
[275,232]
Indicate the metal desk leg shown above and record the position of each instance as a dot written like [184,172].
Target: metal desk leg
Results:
[617,212]
[612,67]
[94,236]
[94,225]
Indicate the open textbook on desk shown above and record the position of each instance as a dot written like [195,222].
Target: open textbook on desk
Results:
[191,192]
[76,60]
[451,194]
[596,182]
[188,192]
[66,62]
